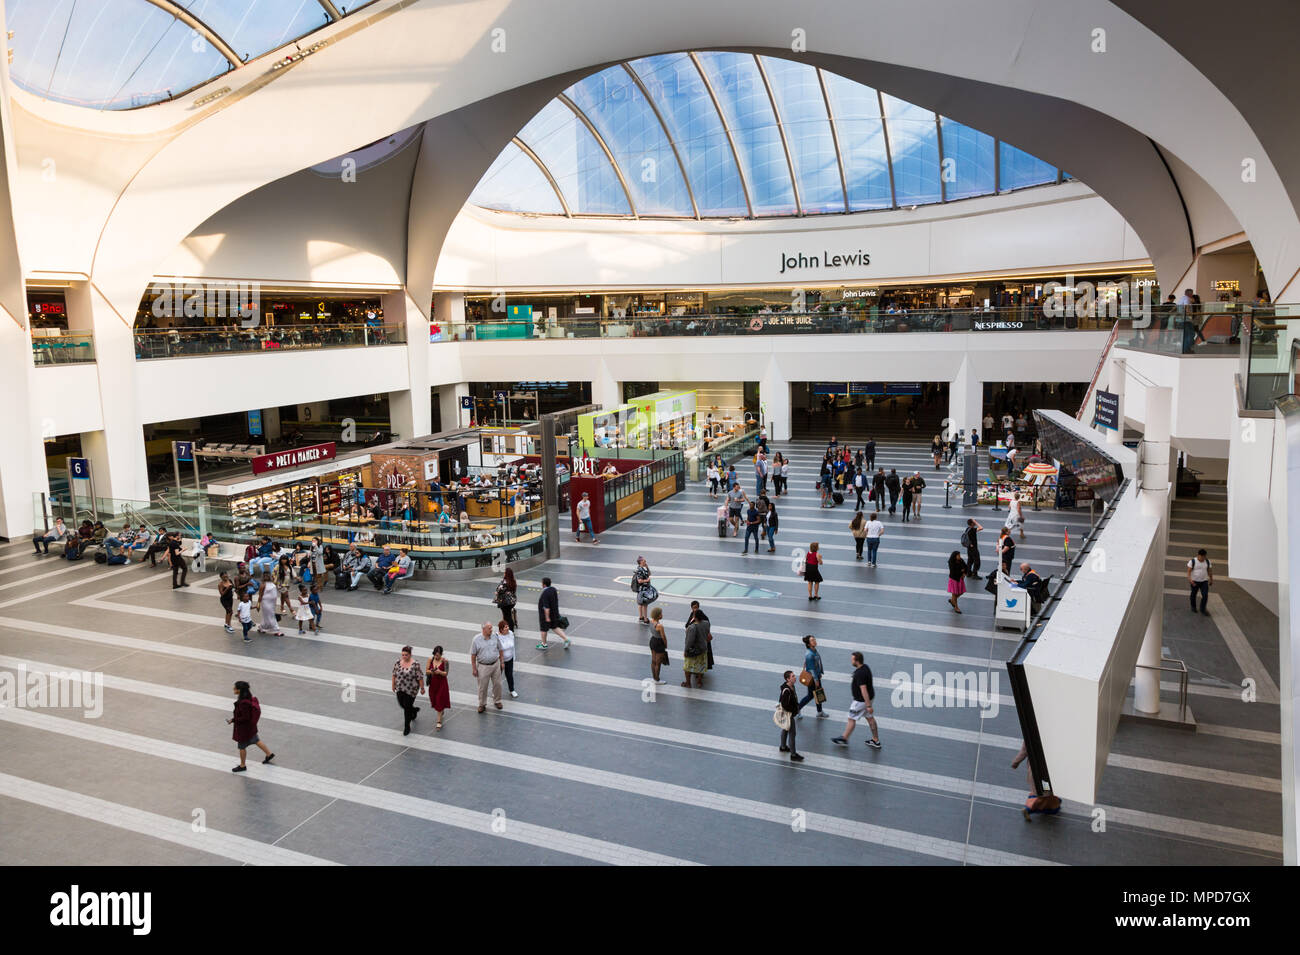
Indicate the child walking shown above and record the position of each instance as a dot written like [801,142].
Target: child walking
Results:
[314,603]
[303,613]
[246,615]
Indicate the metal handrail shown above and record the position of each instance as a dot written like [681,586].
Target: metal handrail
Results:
[1181,670]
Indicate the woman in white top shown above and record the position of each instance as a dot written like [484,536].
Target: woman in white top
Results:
[1016,514]
[712,474]
[507,638]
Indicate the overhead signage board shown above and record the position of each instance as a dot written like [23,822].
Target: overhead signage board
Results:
[79,468]
[1107,411]
[255,423]
[312,454]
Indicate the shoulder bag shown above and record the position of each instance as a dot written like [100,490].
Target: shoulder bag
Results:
[781,718]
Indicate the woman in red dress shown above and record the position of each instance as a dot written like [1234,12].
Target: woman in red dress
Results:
[436,672]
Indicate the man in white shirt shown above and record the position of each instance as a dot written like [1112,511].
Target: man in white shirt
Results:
[875,530]
[1007,422]
[988,423]
[1200,575]
[485,660]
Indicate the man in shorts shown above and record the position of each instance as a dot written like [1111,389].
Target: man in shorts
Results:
[736,501]
[584,519]
[861,707]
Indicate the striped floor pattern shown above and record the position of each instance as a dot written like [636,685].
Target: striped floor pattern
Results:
[591,764]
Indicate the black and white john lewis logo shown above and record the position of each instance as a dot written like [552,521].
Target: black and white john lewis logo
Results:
[829,260]
[77,908]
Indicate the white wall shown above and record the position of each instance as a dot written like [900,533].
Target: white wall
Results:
[1252,525]
[1204,410]
[1052,228]
[67,399]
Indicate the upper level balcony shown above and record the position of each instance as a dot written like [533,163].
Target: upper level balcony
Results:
[772,322]
[182,342]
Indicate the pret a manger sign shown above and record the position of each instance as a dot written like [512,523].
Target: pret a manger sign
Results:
[312,454]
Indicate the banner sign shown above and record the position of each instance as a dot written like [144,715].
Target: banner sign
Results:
[312,454]
[1107,410]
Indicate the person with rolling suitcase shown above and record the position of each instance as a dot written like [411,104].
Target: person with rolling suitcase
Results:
[722,520]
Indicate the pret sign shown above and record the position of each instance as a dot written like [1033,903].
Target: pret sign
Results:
[312,454]
[1107,410]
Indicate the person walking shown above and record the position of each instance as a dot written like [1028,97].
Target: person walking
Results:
[753,527]
[506,598]
[548,612]
[695,651]
[435,672]
[772,521]
[408,684]
[894,486]
[658,646]
[812,665]
[779,473]
[864,695]
[507,638]
[936,450]
[907,499]
[760,473]
[177,560]
[1200,577]
[788,701]
[314,603]
[267,596]
[735,501]
[956,579]
[918,485]
[711,473]
[970,540]
[859,486]
[645,593]
[247,713]
[485,657]
[302,611]
[1016,514]
[245,610]
[1006,549]
[869,454]
[875,530]
[226,595]
[812,571]
[858,527]
[878,489]
[583,509]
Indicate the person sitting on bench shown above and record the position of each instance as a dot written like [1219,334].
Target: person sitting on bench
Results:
[356,565]
[400,570]
[380,571]
[58,533]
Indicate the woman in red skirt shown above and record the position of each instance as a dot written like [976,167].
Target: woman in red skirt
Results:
[956,578]
[436,673]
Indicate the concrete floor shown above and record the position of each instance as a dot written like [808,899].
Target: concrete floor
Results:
[589,765]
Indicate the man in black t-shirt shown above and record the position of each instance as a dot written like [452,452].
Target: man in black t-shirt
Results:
[179,564]
[864,693]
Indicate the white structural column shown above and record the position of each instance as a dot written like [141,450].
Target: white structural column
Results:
[449,405]
[606,390]
[774,402]
[409,410]
[965,400]
[117,457]
[1118,372]
[1154,499]
[22,459]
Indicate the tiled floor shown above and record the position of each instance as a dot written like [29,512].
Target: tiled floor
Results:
[590,765]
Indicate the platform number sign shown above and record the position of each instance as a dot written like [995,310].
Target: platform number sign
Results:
[466,403]
[184,450]
[79,468]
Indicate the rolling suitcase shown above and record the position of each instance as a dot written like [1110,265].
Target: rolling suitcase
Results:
[341,580]
[722,528]
[837,497]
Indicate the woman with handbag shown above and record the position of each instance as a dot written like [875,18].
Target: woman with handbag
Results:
[956,578]
[858,527]
[658,646]
[787,708]
[506,598]
[646,594]
[811,677]
[812,571]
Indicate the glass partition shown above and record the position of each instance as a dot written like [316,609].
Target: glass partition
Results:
[1268,356]
[62,347]
[181,342]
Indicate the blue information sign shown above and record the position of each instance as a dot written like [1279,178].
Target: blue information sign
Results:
[255,423]
[466,403]
[184,450]
[79,468]
[1107,413]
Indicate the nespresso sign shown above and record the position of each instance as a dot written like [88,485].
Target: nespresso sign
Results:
[312,454]
[826,260]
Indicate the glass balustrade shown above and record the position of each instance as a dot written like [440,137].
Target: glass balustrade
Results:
[65,348]
[185,342]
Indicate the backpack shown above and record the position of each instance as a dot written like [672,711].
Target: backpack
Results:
[695,640]
[966,540]
[505,599]
[249,553]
